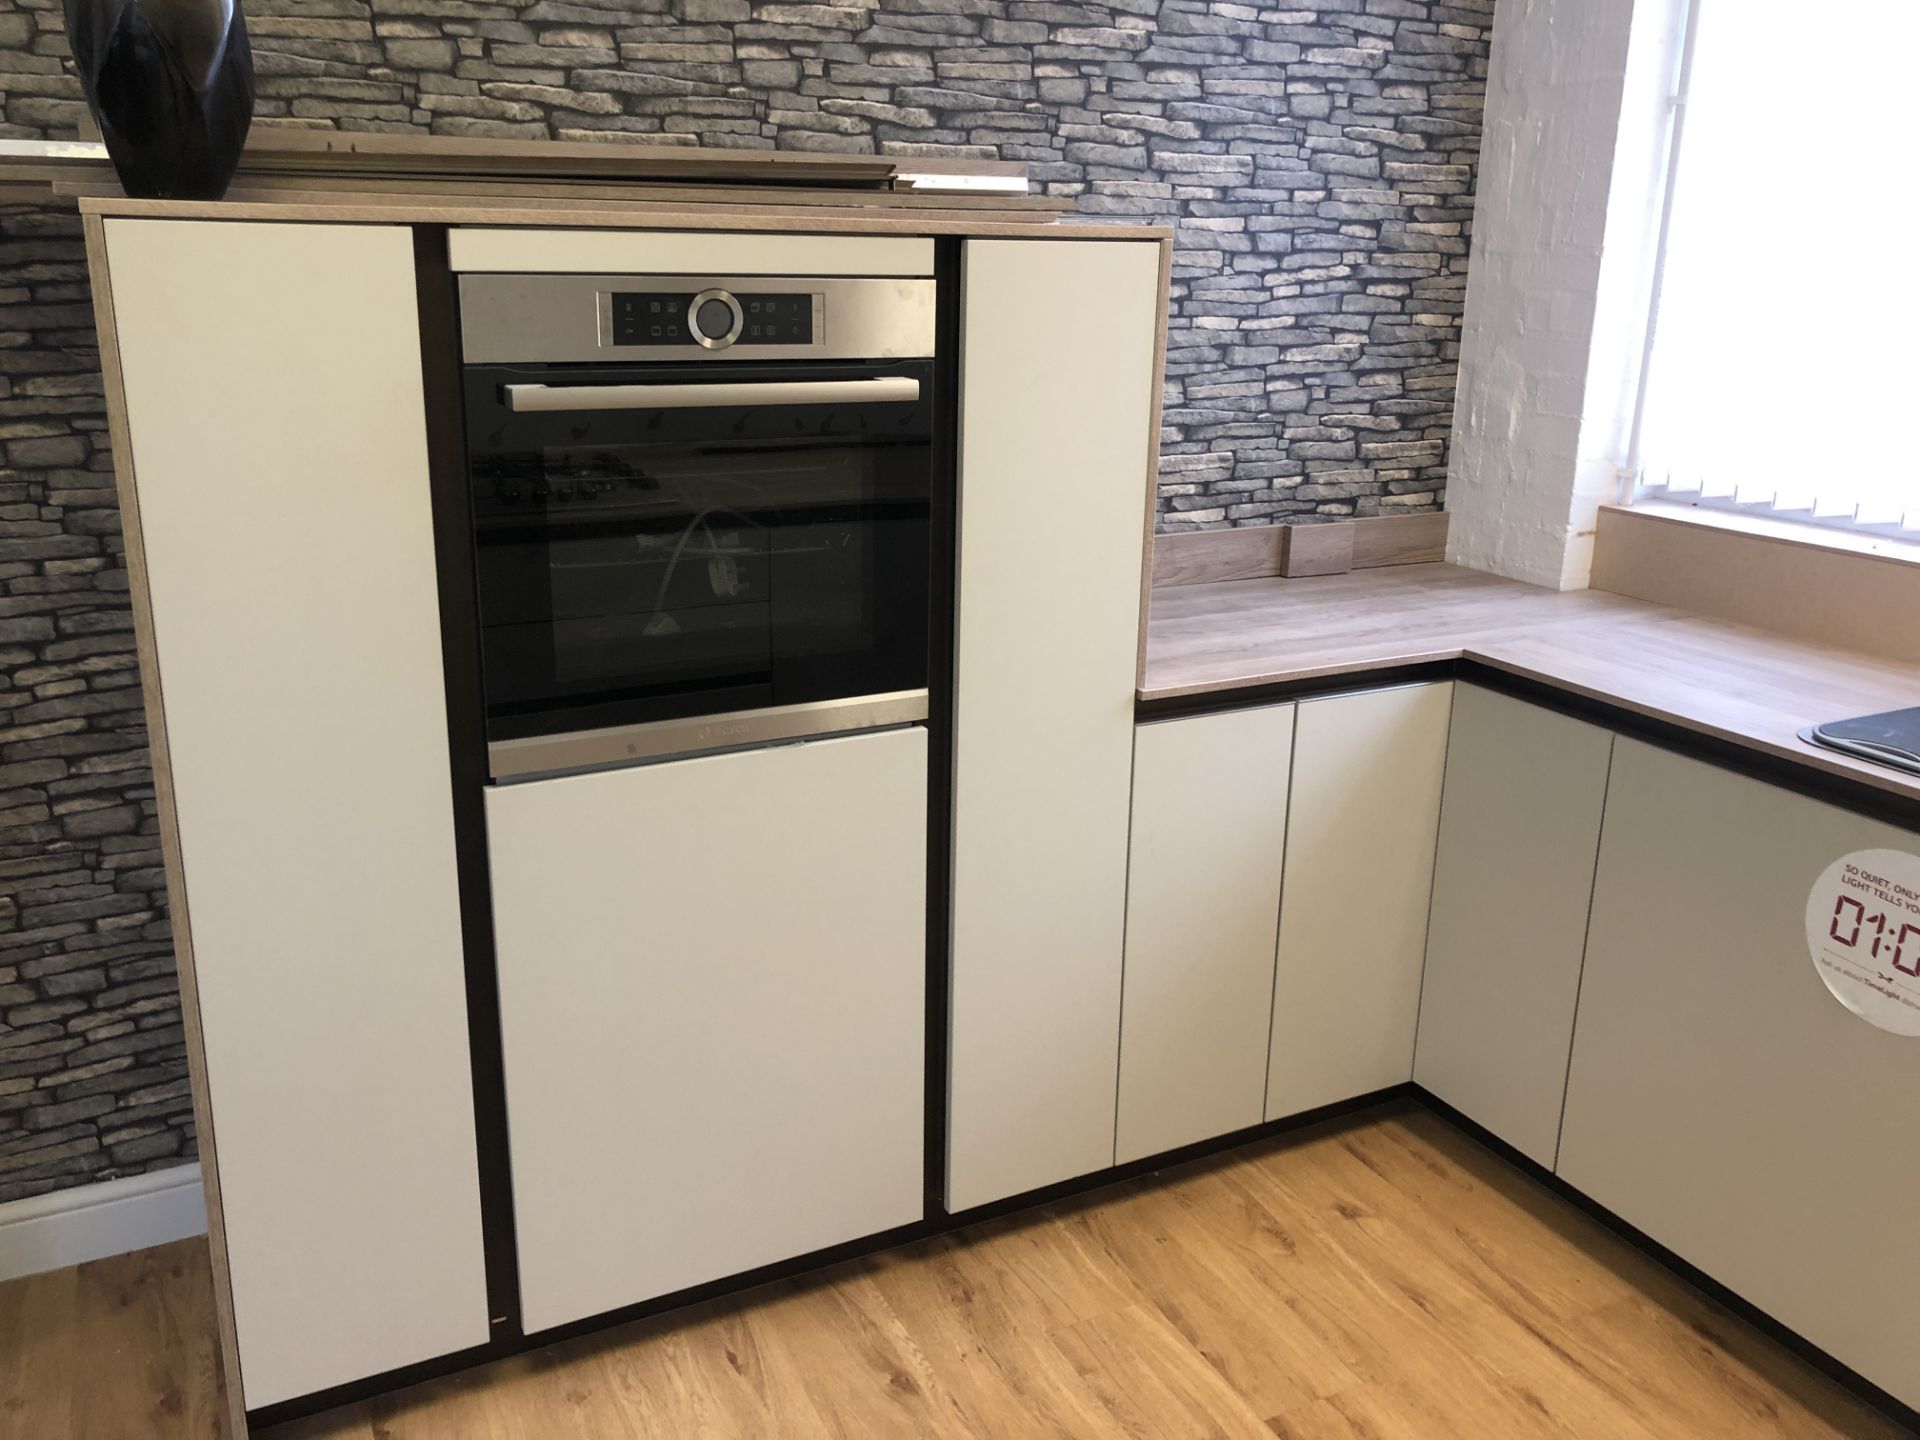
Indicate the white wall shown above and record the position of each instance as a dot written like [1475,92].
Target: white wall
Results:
[1642,144]
[1571,177]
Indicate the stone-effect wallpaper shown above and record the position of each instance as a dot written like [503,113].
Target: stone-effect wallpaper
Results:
[93,1077]
[1318,159]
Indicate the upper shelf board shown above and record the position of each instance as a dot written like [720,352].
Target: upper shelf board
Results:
[443,160]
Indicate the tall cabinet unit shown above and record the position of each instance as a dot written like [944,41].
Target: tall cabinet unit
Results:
[1367,774]
[283,576]
[1057,391]
[712,995]
[1518,833]
[1720,1098]
[1203,909]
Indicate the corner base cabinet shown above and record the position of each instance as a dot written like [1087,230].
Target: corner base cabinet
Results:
[712,989]
[1518,831]
[1720,1099]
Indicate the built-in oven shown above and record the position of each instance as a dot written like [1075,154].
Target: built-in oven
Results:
[701,510]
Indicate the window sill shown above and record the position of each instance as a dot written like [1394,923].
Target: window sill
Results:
[1786,532]
[1850,592]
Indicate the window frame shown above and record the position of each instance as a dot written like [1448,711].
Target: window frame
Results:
[1633,488]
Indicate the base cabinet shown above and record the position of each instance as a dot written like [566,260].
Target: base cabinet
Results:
[1203,912]
[1367,772]
[1720,1099]
[1511,886]
[712,988]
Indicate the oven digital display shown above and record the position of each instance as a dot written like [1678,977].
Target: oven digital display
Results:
[657,318]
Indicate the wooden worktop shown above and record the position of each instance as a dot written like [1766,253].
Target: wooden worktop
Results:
[346,177]
[816,213]
[1733,682]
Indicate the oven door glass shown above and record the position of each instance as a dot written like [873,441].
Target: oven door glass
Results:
[652,564]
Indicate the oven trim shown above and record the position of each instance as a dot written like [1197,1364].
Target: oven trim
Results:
[575,750]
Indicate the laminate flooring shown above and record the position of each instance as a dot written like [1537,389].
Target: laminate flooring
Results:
[1377,1278]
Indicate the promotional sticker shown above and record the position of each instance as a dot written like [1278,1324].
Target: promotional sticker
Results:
[1863,930]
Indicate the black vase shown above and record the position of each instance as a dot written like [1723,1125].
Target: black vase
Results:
[171,84]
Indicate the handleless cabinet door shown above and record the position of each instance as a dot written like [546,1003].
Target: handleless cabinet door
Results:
[1057,405]
[271,375]
[1720,1098]
[712,1004]
[1203,908]
[1367,772]
[1518,832]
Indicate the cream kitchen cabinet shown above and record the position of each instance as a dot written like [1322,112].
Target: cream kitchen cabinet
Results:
[1203,910]
[275,490]
[1367,774]
[1518,831]
[1720,1099]
[1057,407]
[712,1002]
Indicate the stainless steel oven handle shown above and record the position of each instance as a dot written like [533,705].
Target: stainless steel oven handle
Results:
[696,734]
[890,389]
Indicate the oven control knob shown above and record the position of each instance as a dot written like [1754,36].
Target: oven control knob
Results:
[715,319]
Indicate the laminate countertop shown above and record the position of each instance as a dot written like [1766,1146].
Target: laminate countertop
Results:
[1751,687]
[921,213]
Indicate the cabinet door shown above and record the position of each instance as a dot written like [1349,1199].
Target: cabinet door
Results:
[1057,389]
[1367,771]
[1518,833]
[1203,909]
[272,384]
[1720,1098]
[712,1002]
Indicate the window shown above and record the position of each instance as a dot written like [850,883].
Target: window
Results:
[1782,373]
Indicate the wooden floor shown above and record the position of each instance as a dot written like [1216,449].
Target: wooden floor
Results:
[1378,1278]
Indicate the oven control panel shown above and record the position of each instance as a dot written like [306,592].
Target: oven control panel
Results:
[512,319]
[712,318]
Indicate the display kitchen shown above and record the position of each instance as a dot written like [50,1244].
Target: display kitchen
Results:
[751,839]
[761,833]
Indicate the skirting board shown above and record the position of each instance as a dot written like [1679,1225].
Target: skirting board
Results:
[91,1222]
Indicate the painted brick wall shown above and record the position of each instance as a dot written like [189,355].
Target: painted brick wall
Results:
[1318,158]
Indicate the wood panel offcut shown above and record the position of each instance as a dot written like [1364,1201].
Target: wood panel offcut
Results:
[1256,552]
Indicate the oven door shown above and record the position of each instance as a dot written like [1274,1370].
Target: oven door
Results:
[682,558]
